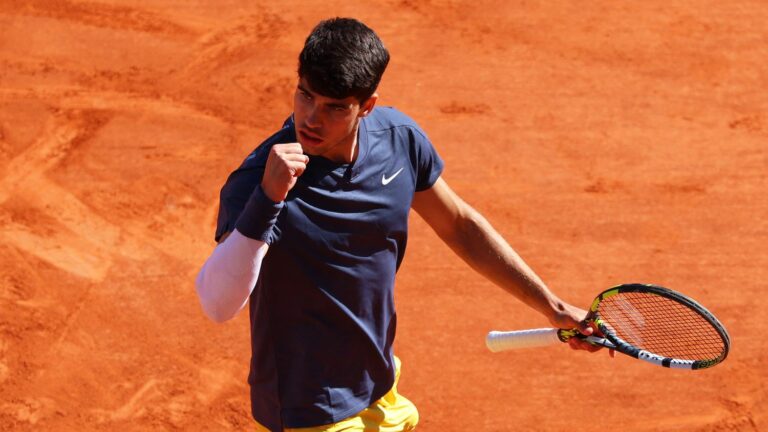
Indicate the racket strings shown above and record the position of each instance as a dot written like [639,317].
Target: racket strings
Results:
[661,325]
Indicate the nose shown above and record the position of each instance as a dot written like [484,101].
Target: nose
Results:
[313,119]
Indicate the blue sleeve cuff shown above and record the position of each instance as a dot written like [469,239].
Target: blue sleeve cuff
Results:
[258,219]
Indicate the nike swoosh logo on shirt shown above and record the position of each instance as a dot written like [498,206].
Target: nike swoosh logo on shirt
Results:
[385,181]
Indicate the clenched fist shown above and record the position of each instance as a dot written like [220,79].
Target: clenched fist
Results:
[285,163]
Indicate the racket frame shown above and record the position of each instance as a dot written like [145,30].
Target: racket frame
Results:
[612,341]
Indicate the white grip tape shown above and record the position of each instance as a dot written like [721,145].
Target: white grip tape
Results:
[500,341]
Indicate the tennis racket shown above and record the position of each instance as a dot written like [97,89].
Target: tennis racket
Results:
[647,322]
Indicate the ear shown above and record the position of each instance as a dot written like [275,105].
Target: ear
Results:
[368,105]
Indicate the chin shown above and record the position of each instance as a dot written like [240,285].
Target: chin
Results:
[309,151]
[308,148]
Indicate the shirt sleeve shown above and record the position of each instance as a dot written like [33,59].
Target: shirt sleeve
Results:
[241,183]
[429,165]
[235,194]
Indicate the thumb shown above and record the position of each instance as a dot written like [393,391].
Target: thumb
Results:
[585,328]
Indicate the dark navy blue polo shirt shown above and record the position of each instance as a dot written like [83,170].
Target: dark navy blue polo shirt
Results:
[322,313]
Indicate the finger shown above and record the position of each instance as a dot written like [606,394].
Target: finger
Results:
[585,328]
[294,148]
[296,168]
[580,344]
[295,157]
[592,348]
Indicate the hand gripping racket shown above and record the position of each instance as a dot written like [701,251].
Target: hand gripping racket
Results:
[647,322]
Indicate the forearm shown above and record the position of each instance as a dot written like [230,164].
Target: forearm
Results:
[486,251]
[226,280]
[229,275]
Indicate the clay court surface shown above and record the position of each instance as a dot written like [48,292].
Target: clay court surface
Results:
[608,141]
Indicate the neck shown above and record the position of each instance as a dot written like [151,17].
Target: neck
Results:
[349,150]
[355,150]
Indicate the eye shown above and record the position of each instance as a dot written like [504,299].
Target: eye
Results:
[305,95]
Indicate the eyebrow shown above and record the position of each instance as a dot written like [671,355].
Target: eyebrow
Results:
[301,87]
[332,104]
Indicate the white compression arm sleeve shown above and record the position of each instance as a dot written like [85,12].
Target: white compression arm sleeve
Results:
[229,275]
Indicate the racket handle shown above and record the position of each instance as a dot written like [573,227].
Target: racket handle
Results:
[501,341]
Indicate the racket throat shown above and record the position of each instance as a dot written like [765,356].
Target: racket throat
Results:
[595,340]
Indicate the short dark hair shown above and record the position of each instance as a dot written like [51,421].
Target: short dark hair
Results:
[343,57]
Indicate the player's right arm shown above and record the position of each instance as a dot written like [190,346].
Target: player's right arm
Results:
[228,277]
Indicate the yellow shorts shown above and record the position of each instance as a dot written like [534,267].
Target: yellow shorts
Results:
[391,413]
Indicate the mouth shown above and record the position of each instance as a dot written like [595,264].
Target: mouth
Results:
[309,139]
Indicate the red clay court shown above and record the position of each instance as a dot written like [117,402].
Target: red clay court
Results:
[609,142]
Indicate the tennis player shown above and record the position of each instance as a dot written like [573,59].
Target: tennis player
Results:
[312,228]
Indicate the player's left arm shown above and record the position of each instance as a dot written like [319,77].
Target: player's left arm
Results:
[473,239]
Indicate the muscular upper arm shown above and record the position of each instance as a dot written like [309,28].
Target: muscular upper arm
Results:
[442,209]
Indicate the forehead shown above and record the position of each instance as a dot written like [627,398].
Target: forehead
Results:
[304,85]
